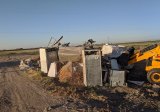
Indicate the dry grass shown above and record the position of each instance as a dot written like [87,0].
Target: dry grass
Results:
[140,45]
[19,52]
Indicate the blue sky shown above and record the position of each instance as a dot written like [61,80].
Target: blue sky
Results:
[31,23]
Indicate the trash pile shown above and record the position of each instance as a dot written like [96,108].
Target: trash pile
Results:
[29,63]
[73,72]
[112,62]
[114,58]
[112,53]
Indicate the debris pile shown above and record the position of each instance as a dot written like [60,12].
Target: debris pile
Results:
[23,65]
[29,63]
[89,44]
[113,72]
[116,55]
[112,51]
[109,65]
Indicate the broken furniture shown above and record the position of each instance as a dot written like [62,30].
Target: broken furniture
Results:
[92,70]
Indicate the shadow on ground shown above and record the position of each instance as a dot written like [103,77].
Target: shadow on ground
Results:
[9,64]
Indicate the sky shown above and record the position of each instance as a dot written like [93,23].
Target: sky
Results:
[31,23]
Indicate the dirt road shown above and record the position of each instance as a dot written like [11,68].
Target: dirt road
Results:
[19,94]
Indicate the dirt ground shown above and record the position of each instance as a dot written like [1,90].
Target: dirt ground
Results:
[19,93]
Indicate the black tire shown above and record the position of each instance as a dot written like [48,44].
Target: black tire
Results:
[153,76]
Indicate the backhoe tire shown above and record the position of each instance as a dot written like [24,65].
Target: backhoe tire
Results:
[153,76]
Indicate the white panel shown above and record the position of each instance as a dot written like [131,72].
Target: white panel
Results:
[53,70]
[43,60]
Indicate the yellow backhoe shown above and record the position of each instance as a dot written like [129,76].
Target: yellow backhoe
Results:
[152,56]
